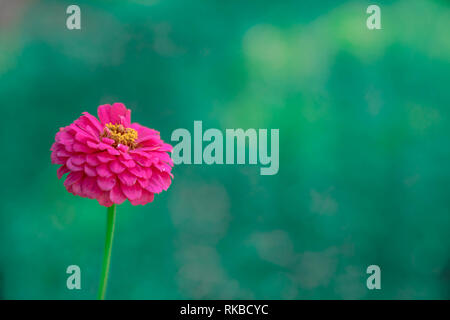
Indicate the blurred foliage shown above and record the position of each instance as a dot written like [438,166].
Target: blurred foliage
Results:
[364,148]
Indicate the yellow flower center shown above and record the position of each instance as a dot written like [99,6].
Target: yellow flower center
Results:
[120,135]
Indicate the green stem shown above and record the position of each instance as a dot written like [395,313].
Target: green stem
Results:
[110,222]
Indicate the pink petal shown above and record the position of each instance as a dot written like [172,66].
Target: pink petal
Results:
[103,171]
[102,146]
[120,114]
[79,147]
[104,156]
[63,153]
[161,178]
[166,148]
[78,159]
[76,188]
[116,114]
[128,163]
[84,137]
[104,199]
[106,184]
[123,148]
[127,178]
[145,198]
[93,120]
[64,137]
[144,162]
[90,188]
[71,147]
[92,160]
[144,132]
[103,112]
[92,145]
[90,171]
[148,172]
[116,166]
[62,171]
[112,151]
[162,166]
[56,159]
[108,141]
[138,171]
[154,186]
[73,177]
[124,156]
[116,195]
[131,192]
[143,182]
[72,166]
[166,179]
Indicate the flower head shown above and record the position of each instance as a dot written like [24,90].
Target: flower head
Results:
[112,160]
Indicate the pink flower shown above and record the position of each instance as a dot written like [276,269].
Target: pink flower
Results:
[112,160]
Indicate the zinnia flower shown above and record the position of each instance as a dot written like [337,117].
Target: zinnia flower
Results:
[112,160]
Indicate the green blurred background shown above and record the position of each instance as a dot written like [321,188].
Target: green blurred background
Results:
[364,148]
